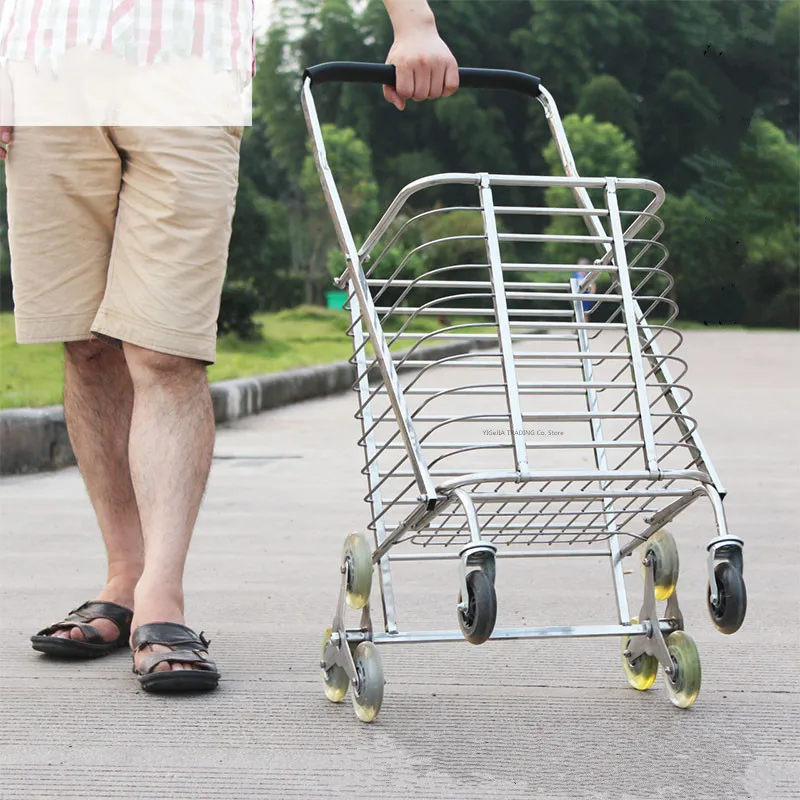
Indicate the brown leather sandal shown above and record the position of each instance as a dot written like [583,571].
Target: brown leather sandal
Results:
[94,645]
[186,647]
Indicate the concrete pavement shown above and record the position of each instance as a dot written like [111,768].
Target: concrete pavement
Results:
[545,720]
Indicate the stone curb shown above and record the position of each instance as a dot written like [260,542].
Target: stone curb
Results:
[36,440]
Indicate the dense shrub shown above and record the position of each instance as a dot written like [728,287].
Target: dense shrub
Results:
[239,303]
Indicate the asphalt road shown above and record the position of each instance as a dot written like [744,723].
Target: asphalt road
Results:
[543,719]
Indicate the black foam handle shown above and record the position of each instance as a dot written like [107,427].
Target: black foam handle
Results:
[384,74]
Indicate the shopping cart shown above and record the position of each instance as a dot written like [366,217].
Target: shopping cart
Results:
[554,426]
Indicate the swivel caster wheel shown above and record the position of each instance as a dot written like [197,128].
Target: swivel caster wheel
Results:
[478,618]
[729,611]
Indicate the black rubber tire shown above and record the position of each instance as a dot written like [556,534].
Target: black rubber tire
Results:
[729,613]
[477,623]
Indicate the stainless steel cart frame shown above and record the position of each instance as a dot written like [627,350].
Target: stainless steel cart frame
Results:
[627,458]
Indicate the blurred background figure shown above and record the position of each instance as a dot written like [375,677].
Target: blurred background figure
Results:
[590,288]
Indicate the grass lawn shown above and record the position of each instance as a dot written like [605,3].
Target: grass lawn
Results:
[32,375]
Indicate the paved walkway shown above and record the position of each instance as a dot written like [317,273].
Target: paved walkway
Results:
[546,720]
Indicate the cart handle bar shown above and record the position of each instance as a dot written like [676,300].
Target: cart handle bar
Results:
[384,74]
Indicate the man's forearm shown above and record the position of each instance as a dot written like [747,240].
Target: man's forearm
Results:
[409,14]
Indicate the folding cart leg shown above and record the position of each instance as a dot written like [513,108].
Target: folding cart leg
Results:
[727,594]
[477,603]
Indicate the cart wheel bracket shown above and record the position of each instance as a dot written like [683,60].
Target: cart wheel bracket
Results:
[338,651]
[478,555]
[654,642]
[723,548]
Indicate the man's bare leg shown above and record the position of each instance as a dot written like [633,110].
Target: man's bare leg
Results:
[98,401]
[170,452]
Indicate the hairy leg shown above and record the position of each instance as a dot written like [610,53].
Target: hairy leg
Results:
[98,401]
[171,447]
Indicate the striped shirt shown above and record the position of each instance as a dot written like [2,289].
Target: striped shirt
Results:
[140,31]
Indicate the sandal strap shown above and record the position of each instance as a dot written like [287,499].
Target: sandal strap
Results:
[200,661]
[187,647]
[90,634]
[168,634]
[91,610]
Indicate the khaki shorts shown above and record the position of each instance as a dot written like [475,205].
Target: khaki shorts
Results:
[121,233]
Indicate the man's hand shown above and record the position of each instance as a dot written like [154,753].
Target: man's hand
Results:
[6,113]
[5,139]
[426,69]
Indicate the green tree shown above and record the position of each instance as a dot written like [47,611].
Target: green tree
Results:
[786,77]
[476,131]
[260,251]
[600,149]
[412,165]
[704,261]
[566,42]
[682,81]
[351,163]
[276,100]
[606,99]
[683,116]
[763,205]
[689,87]
[448,241]
[733,238]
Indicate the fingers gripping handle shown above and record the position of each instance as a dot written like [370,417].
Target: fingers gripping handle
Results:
[384,74]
